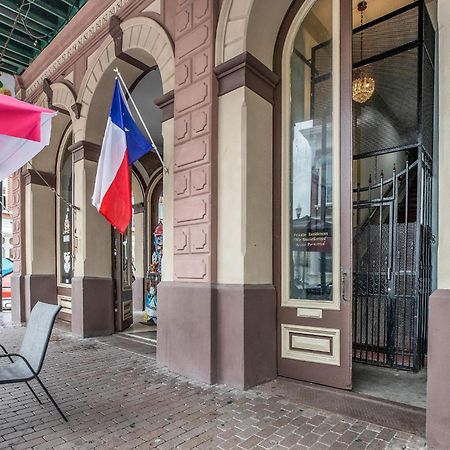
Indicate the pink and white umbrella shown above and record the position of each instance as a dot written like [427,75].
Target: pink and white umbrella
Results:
[25,130]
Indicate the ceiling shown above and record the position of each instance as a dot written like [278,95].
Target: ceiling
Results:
[28,26]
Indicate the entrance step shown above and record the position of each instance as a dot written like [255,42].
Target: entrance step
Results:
[126,343]
[362,407]
[145,338]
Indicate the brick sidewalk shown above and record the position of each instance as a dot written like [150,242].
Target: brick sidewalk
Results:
[118,399]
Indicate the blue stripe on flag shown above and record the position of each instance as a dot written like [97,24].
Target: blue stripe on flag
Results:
[137,144]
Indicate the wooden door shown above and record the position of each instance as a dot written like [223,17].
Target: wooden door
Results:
[314,307]
[122,268]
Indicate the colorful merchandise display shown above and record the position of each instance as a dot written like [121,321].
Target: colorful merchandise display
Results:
[153,276]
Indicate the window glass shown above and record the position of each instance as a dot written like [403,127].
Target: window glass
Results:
[65,217]
[311,162]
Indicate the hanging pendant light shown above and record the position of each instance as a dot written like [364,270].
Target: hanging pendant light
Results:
[364,85]
[363,88]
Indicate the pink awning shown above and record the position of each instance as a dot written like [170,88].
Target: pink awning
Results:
[25,130]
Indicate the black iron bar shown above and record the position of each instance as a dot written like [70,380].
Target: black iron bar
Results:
[369,246]
[380,263]
[405,253]
[385,151]
[395,269]
[358,271]
[418,242]
[387,54]
[386,17]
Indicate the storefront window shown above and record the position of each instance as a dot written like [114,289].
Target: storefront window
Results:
[65,217]
[310,159]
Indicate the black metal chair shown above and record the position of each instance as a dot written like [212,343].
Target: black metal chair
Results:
[27,364]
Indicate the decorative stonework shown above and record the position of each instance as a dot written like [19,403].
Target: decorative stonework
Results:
[84,150]
[165,104]
[18,211]
[61,96]
[116,32]
[30,176]
[76,45]
[232,29]
[246,70]
[137,33]
[194,114]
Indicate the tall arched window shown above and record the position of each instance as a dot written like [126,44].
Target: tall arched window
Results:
[65,213]
[309,209]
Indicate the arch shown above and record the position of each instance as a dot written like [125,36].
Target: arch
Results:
[64,97]
[239,28]
[232,29]
[140,34]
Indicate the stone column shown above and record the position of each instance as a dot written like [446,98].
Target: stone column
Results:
[186,305]
[92,284]
[40,275]
[246,301]
[18,278]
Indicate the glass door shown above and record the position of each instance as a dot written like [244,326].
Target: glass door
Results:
[314,311]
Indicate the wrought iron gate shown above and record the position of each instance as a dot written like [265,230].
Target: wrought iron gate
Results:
[392,266]
[392,212]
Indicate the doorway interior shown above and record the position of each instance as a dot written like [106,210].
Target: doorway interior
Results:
[393,158]
[393,57]
[137,254]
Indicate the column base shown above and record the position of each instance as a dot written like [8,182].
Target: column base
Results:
[92,306]
[438,387]
[218,333]
[39,288]
[18,298]
[246,334]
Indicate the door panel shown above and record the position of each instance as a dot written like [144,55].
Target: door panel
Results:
[122,257]
[314,311]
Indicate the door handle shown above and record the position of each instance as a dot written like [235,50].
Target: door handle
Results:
[345,279]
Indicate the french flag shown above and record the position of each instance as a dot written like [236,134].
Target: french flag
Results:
[122,145]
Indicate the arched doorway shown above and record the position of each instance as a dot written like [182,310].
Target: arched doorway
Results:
[372,278]
[148,80]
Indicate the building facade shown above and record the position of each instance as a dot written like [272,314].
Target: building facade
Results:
[304,215]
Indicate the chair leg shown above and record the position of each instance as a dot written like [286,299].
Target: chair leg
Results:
[34,393]
[51,398]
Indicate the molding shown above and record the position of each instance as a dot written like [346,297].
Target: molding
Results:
[116,32]
[76,108]
[139,208]
[311,344]
[48,89]
[165,103]
[84,150]
[246,70]
[80,41]
[21,91]
[30,176]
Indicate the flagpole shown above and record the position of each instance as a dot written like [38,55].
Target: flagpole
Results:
[116,70]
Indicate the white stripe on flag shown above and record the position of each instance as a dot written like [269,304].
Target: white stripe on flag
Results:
[16,152]
[113,151]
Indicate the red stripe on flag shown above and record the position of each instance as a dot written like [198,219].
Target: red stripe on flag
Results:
[116,203]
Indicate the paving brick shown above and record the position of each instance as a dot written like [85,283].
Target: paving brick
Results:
[118,399]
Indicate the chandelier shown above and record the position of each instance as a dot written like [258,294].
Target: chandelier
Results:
[363,88]
[364,85]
